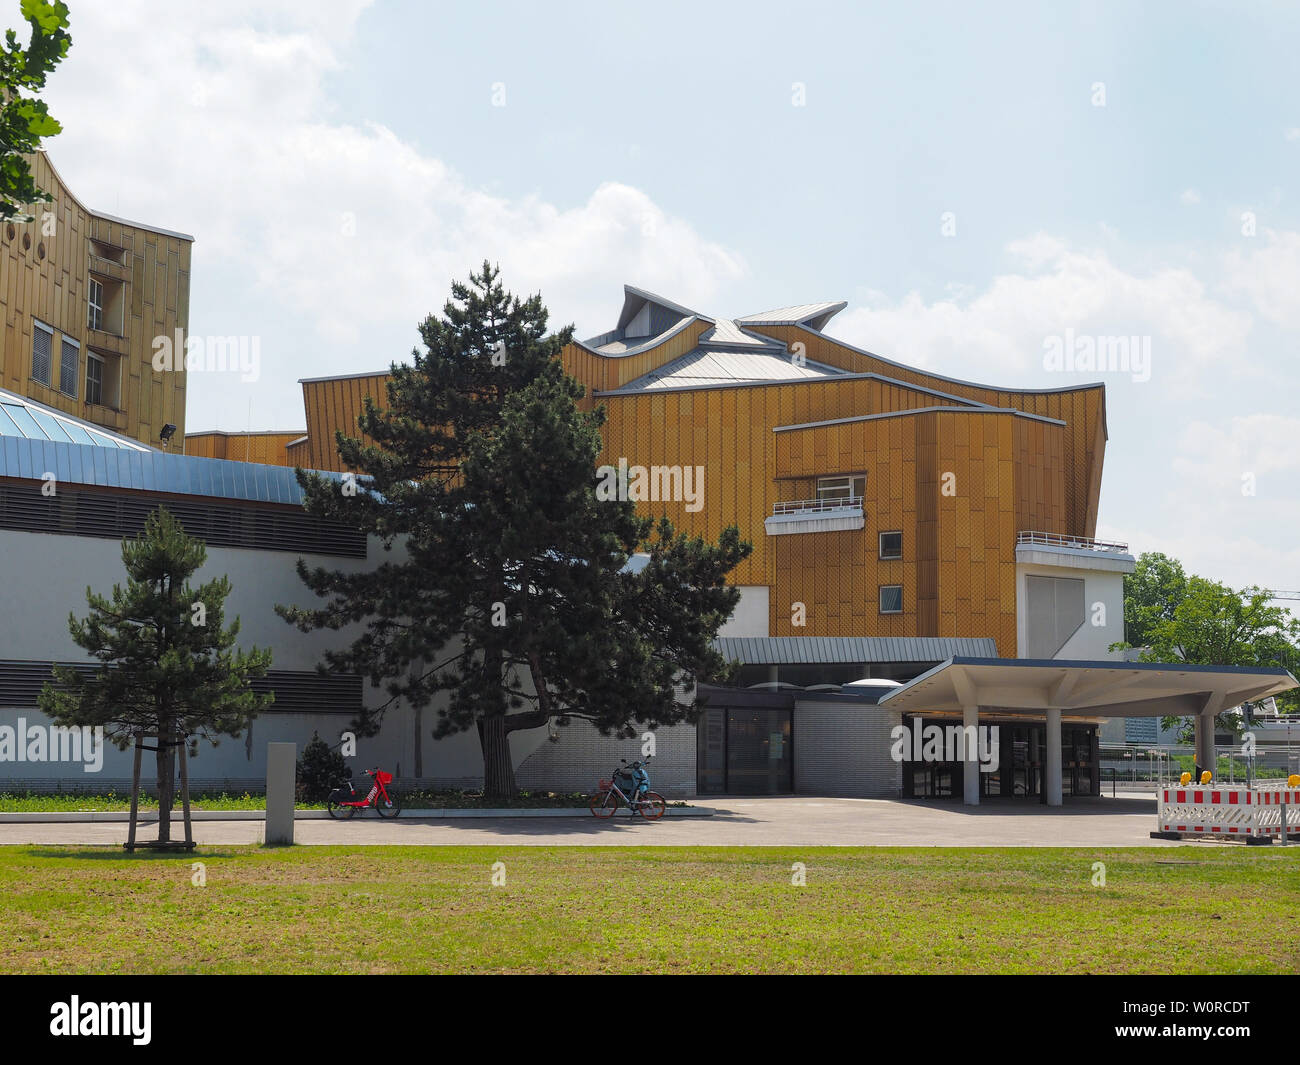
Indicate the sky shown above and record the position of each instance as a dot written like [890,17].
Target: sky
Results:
[985,184]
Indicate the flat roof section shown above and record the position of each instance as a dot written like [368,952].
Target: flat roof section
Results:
[849,650]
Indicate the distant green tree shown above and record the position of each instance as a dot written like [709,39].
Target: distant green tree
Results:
[24,120]
[168,666]
[1152,593]
[1213,625]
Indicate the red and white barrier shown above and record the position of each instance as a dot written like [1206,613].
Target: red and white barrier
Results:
[1268,812]
[1206,810]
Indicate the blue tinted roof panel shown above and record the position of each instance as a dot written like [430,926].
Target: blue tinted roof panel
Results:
[25,422]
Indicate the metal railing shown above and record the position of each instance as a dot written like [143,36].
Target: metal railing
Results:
[815,506]
[1079,543]
[1144,766]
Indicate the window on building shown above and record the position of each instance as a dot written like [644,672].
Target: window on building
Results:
[891,545]
[94,378]
[848,489]
[68,367]
[891,598]
[95,308]
[42,352]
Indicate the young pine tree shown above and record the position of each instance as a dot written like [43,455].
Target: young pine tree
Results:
[167,663]
[511,596]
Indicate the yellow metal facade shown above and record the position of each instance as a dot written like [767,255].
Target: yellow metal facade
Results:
[957,480]
[141,278]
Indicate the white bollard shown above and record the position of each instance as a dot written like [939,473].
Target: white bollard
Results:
[281,771]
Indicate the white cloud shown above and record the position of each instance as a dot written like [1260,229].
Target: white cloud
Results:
[216,121]
[1056,289]
[1268,275]
[1189,198]
[1293,134]
[1226,501]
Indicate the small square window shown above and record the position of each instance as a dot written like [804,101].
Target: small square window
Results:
[891,545]
[891,598]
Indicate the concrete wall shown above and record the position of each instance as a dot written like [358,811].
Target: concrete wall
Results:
[844,751]
[581,756]
[751,615]
[1100,627]
[43,578]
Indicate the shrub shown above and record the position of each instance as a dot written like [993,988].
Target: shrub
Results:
[321,769]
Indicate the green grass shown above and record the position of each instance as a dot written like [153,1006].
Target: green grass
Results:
[1211,909]
[34,802]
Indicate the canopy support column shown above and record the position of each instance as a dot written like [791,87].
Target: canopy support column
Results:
[970,776]
[1204,725]
[1052,776]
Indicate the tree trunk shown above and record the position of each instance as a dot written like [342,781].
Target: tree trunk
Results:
[166,783]
[498,769]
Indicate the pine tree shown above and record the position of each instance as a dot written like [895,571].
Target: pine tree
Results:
[512,594]
[168,666]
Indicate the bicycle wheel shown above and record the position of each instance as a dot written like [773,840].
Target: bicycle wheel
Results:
[653,806]
[391,808]
[340,810]
[604,804]
[337,808]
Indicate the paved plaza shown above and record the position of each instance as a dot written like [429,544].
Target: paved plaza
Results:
[761,822]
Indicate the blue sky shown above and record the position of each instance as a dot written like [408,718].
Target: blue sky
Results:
[340,161]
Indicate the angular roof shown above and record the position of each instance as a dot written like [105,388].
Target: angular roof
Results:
[27,419]
[704,366]
[815,315]
[726,333]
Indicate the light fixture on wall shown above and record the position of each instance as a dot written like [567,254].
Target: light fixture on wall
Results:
[168,431]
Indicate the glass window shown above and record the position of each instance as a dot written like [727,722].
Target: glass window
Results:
[841,489]
[891,598]
[95,309]
[891,545]
[68,368]
[78,434]
[52,426]
[100,440]
[7,427]
[94,379]
[25,422]
[42,352]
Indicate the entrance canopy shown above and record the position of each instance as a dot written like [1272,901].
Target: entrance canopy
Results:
[1085,689]
[1054,688]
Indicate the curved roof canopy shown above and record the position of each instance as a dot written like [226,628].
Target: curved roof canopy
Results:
[1085,688]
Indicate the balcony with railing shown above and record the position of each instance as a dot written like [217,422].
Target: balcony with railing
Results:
[1077,543]
[1078,552]
[823,514]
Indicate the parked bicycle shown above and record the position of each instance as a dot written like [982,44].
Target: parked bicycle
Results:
[628,786]
[343,801]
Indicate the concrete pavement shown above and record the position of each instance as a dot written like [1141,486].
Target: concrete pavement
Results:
[760,822]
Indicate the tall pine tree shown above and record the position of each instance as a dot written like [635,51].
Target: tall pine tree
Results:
[509,593]
[168,666]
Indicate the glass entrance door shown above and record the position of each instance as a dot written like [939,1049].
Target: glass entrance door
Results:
[759,761]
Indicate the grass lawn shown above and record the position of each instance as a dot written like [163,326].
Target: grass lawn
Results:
[67,802]
[692,909]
